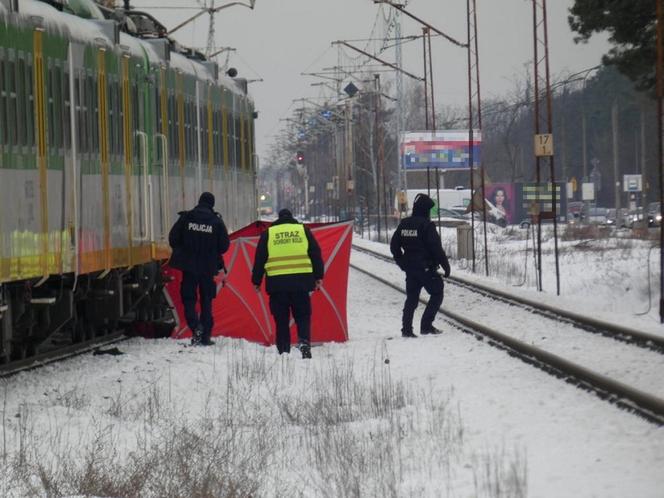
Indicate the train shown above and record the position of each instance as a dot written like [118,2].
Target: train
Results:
[108,128]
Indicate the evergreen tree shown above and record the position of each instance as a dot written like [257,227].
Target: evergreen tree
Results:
[631,25]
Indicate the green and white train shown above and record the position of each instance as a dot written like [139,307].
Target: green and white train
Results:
[108,128]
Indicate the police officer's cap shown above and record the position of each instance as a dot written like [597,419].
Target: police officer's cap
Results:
[423,203]
[206,199]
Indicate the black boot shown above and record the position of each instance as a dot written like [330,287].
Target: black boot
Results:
[407,333]
[205,341]
[305,349]
[431,331]
[196,336]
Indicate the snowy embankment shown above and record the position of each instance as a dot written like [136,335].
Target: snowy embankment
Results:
[376,416]
[612,277]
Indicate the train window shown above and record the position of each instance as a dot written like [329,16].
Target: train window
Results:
[171,125]
[82,110]
[20,101]
[50,104]
[118,116]
[11,101]
[91,98]
[112,122]
[78,107]
[157,109]
[202,132]
[219,138]
[190,131]
[56,124]
[236,141]
[193,131]
[3,100]
[215,136]
[187,132]
[135,119]
[117,113]
[30,103]
[66,110]
[218,146]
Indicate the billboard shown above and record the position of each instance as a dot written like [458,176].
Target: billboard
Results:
[446,150]
[501,204]
[541,194]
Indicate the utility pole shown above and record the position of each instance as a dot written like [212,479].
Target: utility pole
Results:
[474,93]
[210,38]
[544,133]
[348,142]
[660,147]
[616,166]
[402,179]
[426,88]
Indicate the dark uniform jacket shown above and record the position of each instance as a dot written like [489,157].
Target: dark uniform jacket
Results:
[416,245]
[288,283]
[198,239]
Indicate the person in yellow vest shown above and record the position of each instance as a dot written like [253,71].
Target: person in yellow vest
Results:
[289,255]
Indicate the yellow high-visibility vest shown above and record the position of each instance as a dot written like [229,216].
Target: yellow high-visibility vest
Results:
[287,249]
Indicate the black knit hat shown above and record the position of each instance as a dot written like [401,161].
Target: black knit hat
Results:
[206,199]
[422,205]
[285,213]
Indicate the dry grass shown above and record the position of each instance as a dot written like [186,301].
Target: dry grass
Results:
[269,426]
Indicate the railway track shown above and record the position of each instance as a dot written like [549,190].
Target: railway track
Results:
[60,354]
[597,363]
[589,324]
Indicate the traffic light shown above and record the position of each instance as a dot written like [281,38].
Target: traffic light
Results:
[300,158]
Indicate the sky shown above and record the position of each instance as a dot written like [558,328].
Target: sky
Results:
[379,415]
[280,39]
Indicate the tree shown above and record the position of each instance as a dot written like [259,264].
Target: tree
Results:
[631,25]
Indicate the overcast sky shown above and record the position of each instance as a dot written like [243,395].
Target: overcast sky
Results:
[280,39]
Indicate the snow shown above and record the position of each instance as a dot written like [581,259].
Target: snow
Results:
[446,416]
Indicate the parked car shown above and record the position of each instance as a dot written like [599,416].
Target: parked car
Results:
[633,216]
[597,216]
[654,214]
[449,218]
[526,222]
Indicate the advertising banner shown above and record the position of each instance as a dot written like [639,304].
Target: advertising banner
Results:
[445,150]
[501,202]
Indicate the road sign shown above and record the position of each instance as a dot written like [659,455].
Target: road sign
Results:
[544,145]
[588,191]
[632,183]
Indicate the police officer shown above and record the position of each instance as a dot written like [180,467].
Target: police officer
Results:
[199,238]
[417,249]
[290,256]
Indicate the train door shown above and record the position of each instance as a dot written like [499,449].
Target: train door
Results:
[72,181]
[160,164]
[137,158]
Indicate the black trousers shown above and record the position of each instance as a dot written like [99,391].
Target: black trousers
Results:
[282,304]
[207,290]
[433,284]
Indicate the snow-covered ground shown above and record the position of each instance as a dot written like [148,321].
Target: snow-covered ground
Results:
[604,273]
[445,416]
